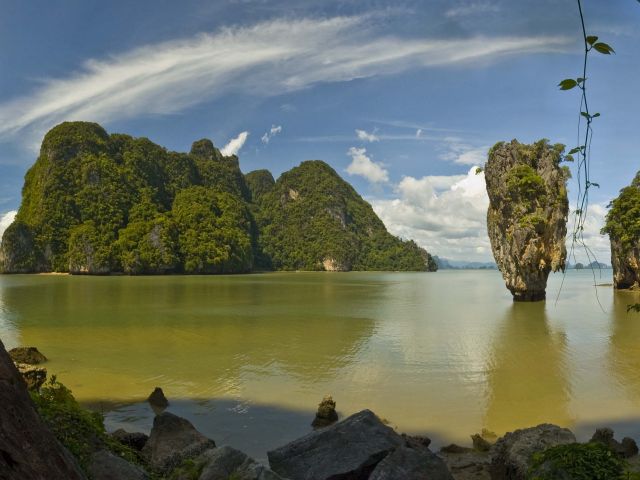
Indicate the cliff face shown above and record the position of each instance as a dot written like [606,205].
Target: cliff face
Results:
[527,214]
[623,227]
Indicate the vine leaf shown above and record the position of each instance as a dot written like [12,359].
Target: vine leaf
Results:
[591,39]
[603,48]
[567,84]
[574,150]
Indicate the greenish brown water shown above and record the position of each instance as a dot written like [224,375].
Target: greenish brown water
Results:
[247,358]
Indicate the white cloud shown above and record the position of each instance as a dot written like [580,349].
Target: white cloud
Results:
[235,144]
[462,153]
[362,165]
[5,220]
[598,245]
[273,131]
[472,8]
[266,59]
[418,133]
[366,136]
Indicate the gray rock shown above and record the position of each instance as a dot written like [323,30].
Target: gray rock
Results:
[453,448]
[629,447]
[625,449]
[480,443]
[32,375]
[227,462]
[348,449]
[416,441]
[511,454]
[411,464]
[172,440]
[105,465]
[326,414]
[472,465]
[157,399]
[527,216]
[28,355]
[135,440]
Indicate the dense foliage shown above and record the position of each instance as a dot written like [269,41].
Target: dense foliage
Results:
[97,203]
[623,218]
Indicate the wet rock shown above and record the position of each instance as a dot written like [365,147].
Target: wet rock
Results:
[511,454]
[32,375]
[227,462]
[527,216]
[172,440]
[28,355]
[411,464]
[135,440]
[347,449]
[157,399]
[28,450]
[105,465]
[480,443]
[326,414]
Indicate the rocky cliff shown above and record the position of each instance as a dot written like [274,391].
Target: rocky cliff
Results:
[623,227]
[527,214]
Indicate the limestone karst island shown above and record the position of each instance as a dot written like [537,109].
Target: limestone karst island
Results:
[329,240]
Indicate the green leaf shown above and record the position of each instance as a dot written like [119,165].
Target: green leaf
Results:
[591,39]
[603,48]
[595,115]
[479,170]
[594,184]
[567,84]
[585,115]
[574,150]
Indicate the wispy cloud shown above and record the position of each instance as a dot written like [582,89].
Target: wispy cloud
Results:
[457,151]
[366,136]
[5,220]
[472,8]
[273,131]
[235,144]
[363,166]
[266,59]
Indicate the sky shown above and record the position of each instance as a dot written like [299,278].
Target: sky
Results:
[402,98]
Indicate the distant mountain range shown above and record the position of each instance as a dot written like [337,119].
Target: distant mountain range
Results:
[446,264]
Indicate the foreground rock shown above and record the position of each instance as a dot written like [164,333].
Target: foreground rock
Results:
[135,440]
[411,464]
[527,216]
[227,462]
[172,440]
[28,355]
[511,454]
[472,465]
[105,465]
[623,227]
[348,449]
[32,375]
[28,450]
[326,414]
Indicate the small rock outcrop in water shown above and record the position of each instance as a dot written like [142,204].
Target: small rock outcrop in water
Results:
[326,414]
[27,448]
[157,399]
[527,217]
[28,355]
[623,227]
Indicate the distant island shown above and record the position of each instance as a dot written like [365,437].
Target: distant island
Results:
[99,203]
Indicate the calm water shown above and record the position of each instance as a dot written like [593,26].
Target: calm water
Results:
[247,358]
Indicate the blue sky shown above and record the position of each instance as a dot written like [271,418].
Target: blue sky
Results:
[402,98]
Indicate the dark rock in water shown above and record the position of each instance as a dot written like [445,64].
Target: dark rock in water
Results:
[453,448]
[172,440]
[415,441]
[28,355]
[348,449]
[411,464]
[32,375]
[527,216]
[605,436]
[227,462]
[135,440]
[629,447]
[326,414]
[480,443]
[104,465]
[28,450]
[157,399]
[511,454]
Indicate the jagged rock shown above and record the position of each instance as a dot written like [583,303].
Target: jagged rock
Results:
[326,414]
[28,450]
[348,449]
[415,441]
[104,465]
[453,448]
[527,216]
[480,443]
[227,462]
[473,465]
[172,440]
[32,375]
[28,355]
[511,454]
[605,436]
[157,399]
[135,440]
[411,464]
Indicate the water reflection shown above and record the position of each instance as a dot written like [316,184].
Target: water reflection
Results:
[527,375]
[624,344]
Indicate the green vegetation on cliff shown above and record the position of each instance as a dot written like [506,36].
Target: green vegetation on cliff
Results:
[623,218]
[97,203]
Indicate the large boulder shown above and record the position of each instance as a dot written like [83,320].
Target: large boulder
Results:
[227,462]
[511,454]
[135,440]
[527,216]
[348,449]
[172,440]
[411,464]
[104,465]
[28,355]
[28,450]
